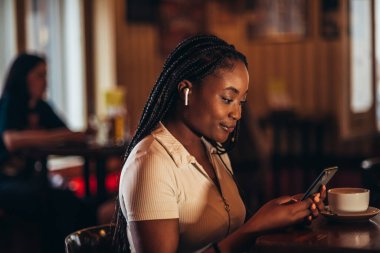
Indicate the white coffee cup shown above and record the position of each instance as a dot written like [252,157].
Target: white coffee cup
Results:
[348,199]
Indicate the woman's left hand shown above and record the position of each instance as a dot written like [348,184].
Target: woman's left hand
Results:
[319,198]
[318,202]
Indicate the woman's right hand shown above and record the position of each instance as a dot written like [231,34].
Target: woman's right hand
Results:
[280,212]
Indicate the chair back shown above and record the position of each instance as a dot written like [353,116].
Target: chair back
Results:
[97,239]
[371,179]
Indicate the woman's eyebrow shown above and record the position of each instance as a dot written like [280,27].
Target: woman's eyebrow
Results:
[234,90]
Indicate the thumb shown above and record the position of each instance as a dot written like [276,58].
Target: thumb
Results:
[298,196]
[283,199]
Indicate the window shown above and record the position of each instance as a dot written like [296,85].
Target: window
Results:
[55,28]
[377,55]
[357,113]
[361,56]
[8,37]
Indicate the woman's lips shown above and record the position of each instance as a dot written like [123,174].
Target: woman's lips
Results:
[229,129]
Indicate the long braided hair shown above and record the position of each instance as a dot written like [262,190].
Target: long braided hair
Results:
[193,59]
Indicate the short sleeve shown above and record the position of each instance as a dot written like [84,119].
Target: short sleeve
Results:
[49,119]
[147,188]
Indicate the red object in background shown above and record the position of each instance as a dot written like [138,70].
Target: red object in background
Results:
[76,184]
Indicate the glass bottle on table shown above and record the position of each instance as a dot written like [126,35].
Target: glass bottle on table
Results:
[116,115]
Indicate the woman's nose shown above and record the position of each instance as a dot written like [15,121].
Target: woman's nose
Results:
[236,112]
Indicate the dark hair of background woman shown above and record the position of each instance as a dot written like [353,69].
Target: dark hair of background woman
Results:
[16,81]
[16,87]
[193,60]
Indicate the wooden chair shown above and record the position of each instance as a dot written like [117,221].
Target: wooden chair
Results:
[97,239]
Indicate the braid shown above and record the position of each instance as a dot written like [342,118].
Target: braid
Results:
[193,60]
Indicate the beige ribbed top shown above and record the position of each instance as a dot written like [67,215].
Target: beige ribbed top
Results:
[161,180]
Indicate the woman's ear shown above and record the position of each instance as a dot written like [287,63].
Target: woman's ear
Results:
[184,89]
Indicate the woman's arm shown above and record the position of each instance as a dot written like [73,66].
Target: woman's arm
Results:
[15,140]
[163,235]
[273,215]
[155,236]
[277,213]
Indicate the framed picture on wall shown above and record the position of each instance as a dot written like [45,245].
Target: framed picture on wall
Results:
[278,20]
[179,19]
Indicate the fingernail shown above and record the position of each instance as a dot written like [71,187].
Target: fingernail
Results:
[316,199]
[318,195]
[309,217]
[313,206]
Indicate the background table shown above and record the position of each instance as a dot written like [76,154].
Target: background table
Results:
[324,236]
[90,153]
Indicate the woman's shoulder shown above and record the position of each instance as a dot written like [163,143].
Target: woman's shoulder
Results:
[148,149]
[147,145]
[149,160]
[7,99]
[10,104]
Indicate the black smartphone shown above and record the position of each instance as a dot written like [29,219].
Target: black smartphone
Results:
[323,178]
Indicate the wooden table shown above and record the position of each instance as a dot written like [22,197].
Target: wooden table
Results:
[324,236]
[90,153]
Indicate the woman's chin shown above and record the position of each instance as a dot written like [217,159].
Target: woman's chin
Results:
[222,139]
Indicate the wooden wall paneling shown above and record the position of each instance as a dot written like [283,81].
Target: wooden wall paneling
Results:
[323,72]
[120,35]
[135,84]
[274,61]
[343,99]
[257,89]
[88,20]
[104,51]
[309,99]
[316,84]
[138,53]
[306,77]
[269,74]
[331,61]
[279,60]
[299,74]
[139,67]
[297,71]
[314,42]
[283,60]
[287,74]
[336,77]
[290,73]
[256,70]
[20,10]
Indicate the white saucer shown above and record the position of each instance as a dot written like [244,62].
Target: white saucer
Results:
[352,216]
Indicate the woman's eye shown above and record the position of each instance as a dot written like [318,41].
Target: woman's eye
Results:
[227,100]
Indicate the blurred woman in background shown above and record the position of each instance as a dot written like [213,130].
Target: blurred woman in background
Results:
[27,121]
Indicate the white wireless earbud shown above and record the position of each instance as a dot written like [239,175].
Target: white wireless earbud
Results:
[187,96]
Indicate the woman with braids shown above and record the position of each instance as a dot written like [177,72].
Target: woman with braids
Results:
[177,192]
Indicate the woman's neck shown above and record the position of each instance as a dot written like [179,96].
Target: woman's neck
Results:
[184,134]
[32,103]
